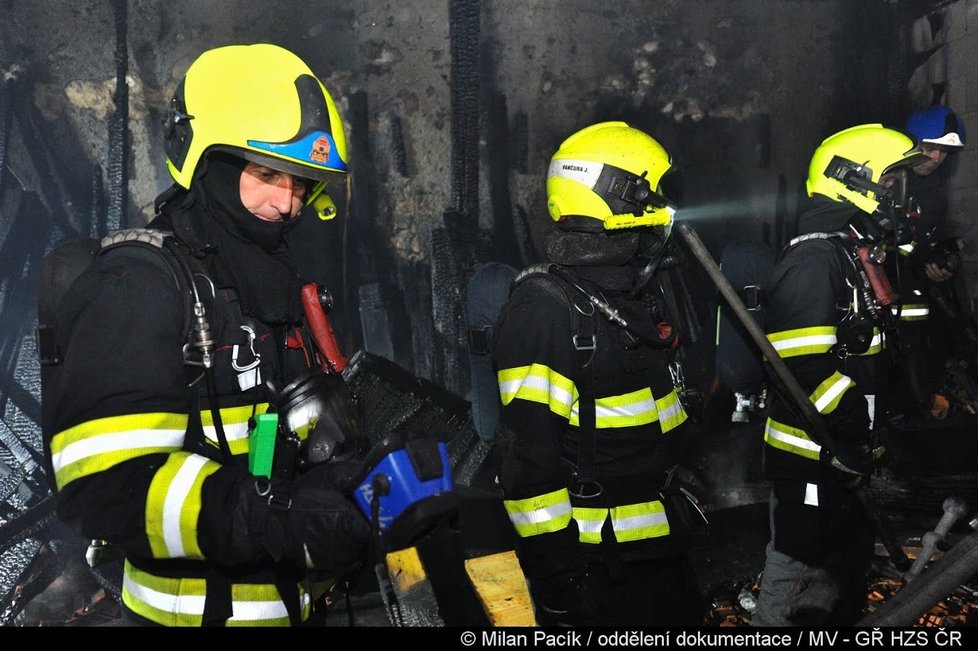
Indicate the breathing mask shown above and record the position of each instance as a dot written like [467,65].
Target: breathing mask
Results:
[315,420]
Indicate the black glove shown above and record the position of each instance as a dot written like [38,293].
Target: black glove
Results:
[854,463]
[341,475]
[561,600]
[325,529]
[845,474]
[307,522]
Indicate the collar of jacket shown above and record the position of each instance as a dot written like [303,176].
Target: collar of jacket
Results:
[613,278]
[816,236]
[824,216]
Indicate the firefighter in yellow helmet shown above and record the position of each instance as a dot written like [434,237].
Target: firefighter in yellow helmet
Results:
[150,447]
[592,423]
[827,315]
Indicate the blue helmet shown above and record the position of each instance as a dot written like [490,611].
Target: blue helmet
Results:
[937,125]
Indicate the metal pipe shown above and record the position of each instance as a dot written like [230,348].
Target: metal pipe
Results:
[784,375]
[954,509]
[914,599]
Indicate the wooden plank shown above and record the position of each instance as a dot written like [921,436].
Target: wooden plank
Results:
[416,602]
[406,570]
[501,586]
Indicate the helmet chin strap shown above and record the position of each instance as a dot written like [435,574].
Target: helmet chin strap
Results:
[646,274]
[867,229]
[652,247]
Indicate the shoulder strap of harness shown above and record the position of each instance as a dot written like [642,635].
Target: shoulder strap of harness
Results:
[841,243]
[153,242]
[198,347]
[585,344]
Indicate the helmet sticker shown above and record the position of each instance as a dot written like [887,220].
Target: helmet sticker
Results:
[320,150]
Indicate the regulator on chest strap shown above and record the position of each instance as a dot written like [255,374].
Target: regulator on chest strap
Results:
[866,309]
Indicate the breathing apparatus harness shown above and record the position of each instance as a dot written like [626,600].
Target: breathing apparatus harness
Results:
[198,293]
[198,348]
[585,485]
[871,290]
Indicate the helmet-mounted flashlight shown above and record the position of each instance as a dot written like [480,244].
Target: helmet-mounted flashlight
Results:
[321,202]
[633,191]
[855,176]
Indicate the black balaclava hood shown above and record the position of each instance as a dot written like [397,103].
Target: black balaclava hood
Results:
[822,215]
[581,249]
[603,258]
[251,254]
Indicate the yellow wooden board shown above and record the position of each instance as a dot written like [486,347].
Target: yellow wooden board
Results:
[501,587]
[405,570]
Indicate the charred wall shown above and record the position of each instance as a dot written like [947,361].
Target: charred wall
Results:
[453,109]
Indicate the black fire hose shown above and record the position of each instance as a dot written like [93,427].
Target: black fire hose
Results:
[819,430]
[953,568]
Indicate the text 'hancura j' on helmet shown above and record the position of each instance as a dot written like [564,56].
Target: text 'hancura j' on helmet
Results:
[260,102]
[606,177]
[848,166]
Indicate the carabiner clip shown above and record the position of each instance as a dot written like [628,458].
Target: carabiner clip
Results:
[251,346]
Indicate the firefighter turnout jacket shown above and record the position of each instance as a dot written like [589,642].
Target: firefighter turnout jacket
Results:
[821,323]
[135,453]
[574,496]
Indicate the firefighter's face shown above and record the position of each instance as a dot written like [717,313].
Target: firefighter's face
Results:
[935,156]
[270,195]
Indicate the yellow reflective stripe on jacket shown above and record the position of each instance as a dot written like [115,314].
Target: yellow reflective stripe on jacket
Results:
[907,249]
[827,395]
[180,601]
[541,514]
[173,504]
[635,409]
[537,383]
[589,523]
[627,410]
[876,345]
[790,439]
[630,522]
[793,440]
[97,445]
[671,412]
[803,341]
[235,423]
[639,521]
[912,311]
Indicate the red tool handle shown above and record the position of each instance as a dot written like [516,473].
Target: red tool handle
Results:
[321,329]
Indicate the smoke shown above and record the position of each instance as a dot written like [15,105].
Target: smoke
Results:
[732,465]
[715,210]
